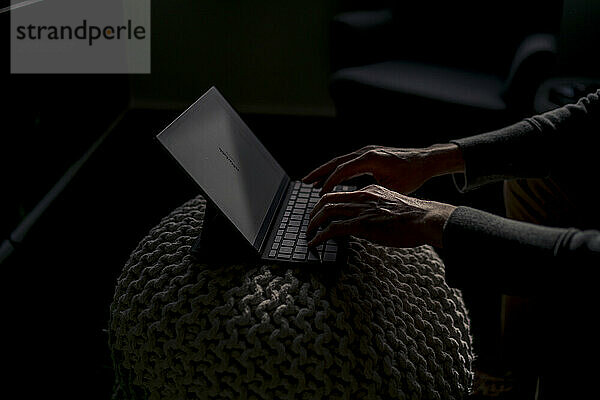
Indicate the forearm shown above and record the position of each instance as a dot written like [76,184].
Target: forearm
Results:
[487,251]
[443,159]
[532,147]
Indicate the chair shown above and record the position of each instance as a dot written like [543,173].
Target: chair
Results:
[414,74]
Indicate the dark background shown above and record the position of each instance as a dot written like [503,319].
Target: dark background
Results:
[93,136]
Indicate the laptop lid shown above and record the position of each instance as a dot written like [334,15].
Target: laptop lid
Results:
[233,169]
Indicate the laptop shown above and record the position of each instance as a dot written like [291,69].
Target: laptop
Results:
[250,198]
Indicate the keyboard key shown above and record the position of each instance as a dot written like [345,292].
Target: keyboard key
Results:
[285,220]
[304,194]
[286,214]
[299,256]
[294,223]
[301,242]
[312,256]
[282,225]
[285,250]
[296,217]
[302,200]
[273,253]
[292,229]
[277,239]
[280,232]
[301,249]
[328,256]
[300,211]
[275,246]
[330,247]
[289,243]
[291,236]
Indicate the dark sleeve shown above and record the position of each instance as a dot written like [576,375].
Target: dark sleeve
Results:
[530,148]
[487,251]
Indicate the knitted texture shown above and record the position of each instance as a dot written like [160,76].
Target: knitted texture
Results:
[384,325]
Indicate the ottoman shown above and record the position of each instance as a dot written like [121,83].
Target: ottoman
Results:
[384,325]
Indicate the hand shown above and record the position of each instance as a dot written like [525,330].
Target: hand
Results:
[381,216]
[402,170]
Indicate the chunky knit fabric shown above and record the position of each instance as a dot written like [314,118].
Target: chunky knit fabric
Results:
[384,326]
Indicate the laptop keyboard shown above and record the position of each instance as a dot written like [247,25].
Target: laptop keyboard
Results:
[290,241]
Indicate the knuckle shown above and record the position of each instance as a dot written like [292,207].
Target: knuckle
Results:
[368,155]
[339,168]
[328,207]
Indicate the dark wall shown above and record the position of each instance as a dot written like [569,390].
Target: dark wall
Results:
[266,56]
[48,122]
[579,38]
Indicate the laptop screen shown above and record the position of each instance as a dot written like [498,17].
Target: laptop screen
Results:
[220,152]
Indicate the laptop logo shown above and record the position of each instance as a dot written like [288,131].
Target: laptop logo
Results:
[228,157]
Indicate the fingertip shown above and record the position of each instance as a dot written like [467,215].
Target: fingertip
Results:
[324,190]
[313,239]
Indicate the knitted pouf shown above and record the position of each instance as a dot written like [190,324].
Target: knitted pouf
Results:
[386,326]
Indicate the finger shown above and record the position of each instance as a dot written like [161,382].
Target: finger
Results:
[324,170]
[337,197]
[336,229]
[345,171]
[332,211]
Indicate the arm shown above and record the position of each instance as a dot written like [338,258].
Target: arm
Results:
[531,148]
[479,249]
[485,250]
[403,170]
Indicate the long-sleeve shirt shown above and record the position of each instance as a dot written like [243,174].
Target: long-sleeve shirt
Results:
[557,265]
[522,258]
